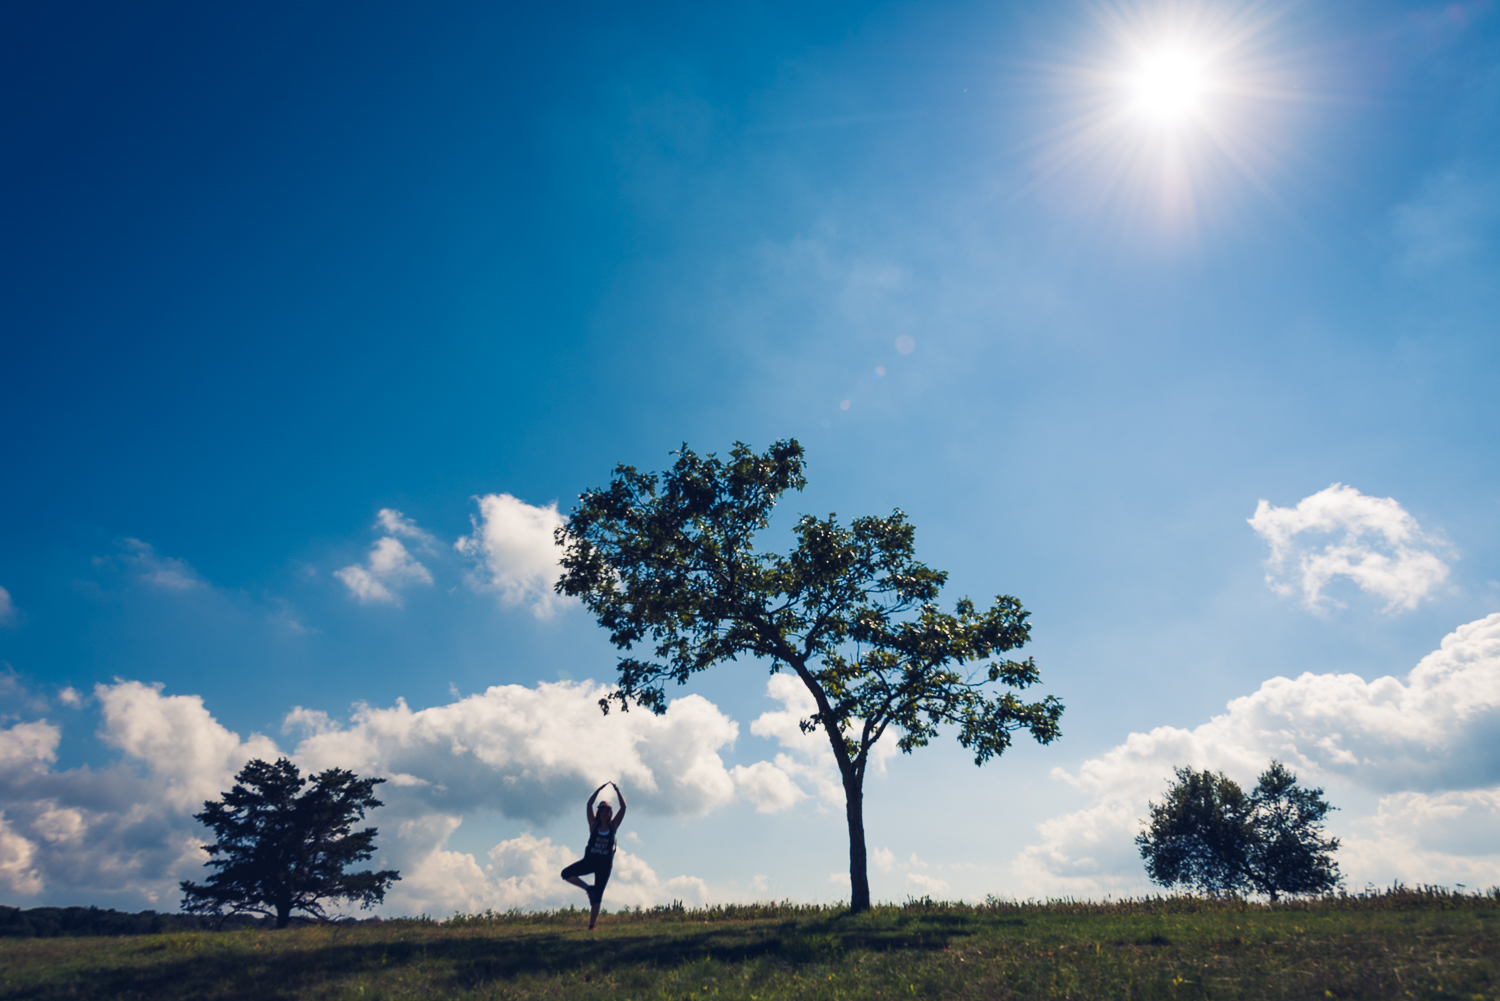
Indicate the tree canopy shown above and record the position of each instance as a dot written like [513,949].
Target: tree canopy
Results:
[282,850]
[1208,834]
[668,562]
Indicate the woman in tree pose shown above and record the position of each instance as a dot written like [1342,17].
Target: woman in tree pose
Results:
[599,856]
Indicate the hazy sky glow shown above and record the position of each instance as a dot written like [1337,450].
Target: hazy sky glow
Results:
[1176,321]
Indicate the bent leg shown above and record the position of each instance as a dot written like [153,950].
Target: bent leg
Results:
[579,868]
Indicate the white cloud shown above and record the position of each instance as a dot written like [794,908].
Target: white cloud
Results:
[393,522]
[532,753]
[389,568]
[768,786]
[1425,744]
[28,747]
[1380,547]
[7,609]
[16,853]
[773,786]
[192,756]
[513,546]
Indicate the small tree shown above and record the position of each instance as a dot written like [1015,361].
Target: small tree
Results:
[280,849]
[1291,854]
[1209,835]
[671,561]
[1200,835]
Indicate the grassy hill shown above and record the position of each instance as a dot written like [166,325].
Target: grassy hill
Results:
[1396,944]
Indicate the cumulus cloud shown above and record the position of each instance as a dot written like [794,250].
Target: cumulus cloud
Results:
[27,747]
[127,828]
[806,758]
[389,568]
[1378,546]
[768,786]
[125,832]
[16,872]
[512,545]
[1426,744]
[192,756]
[8,613]
[530,752]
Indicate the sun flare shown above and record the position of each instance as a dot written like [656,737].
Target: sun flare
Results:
[1168,86]
[1167,111]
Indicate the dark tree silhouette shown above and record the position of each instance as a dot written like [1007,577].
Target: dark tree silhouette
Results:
[281,850]
[1200,835]
[669,561]
[1209,835]
[1291,854]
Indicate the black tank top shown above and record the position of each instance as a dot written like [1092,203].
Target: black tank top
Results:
[601,841]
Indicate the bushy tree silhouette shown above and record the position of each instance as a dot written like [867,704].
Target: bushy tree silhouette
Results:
[1207,834]
[281,849]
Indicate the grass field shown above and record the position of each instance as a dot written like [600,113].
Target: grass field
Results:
[1396,944]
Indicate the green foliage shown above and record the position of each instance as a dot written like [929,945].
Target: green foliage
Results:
[669,562]
[1207,834]
[281,850]
[1404,943]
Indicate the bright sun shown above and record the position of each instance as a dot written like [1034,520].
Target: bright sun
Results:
[1167,86]
[1165,114]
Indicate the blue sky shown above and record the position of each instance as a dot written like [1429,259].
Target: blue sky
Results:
[269,272]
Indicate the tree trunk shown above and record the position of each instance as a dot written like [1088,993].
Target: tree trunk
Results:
[283,915]
[859,875]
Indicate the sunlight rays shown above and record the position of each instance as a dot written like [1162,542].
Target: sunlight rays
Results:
[1165,115]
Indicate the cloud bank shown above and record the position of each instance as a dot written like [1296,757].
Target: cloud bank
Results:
[1426,744]
[532,753]
[1379,546]
[126,833]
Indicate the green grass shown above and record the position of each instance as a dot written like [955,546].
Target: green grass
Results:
[1397,944]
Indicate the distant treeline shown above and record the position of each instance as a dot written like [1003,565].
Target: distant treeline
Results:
[64,922]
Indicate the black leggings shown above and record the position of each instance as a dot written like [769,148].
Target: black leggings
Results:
[596,864]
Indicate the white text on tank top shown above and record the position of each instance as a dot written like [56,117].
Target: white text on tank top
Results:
[602,841]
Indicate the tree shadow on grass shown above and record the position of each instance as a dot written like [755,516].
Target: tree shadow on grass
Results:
[473,958]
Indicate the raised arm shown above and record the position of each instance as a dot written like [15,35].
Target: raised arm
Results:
[588,810]
[621,815]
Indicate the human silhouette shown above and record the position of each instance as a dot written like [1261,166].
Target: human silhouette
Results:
[599,856]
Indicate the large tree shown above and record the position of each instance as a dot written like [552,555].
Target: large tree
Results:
[1208,834]
[281,849]
[669,562]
